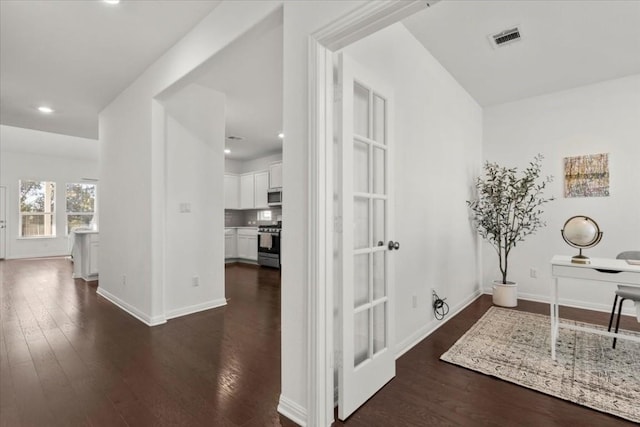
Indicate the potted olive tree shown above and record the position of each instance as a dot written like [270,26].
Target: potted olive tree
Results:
[507,208]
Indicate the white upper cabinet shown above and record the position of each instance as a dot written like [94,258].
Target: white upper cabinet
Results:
[247,191]
[250,190]
[261,180]
[275,175]
[231,191]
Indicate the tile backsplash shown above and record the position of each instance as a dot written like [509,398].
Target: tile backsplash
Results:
[248,218]
[233,218]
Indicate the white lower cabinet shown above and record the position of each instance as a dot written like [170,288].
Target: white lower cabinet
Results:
[230,245]
[248,244]
[241,244]
[86,245]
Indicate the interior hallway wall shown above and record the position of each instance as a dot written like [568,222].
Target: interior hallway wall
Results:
[194,218]
[133,168]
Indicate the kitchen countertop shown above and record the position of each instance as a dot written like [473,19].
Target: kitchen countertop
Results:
[80,231]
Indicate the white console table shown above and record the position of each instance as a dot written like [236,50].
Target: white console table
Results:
[600,270]
[85,254]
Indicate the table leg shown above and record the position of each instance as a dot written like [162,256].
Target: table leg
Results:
[554,316]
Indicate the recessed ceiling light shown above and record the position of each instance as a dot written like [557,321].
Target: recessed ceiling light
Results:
[46,110]
[281,135]
[112,1]
[227,151]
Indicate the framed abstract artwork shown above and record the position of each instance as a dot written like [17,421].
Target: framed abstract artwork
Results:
[586,176]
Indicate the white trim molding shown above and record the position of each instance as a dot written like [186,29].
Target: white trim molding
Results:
[320,272]
[196,308]
[366,20]
[628,310]
[293,411]
[144,318]
[422,333]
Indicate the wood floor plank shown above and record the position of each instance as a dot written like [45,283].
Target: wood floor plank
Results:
[69,357]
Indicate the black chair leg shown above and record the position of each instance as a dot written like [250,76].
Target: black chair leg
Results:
[613,311]
[618,320]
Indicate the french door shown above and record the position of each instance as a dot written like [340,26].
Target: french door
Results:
[366,309]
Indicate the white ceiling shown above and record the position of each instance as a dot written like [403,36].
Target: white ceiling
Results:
[48,144]
[77,56]
[565,44]
[249,73]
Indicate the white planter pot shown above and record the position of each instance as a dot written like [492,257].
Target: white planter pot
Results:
[505,295]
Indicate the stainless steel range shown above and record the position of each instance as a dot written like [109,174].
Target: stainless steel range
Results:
[269,245]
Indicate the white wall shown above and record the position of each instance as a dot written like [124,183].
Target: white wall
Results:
[438,143]
[133,163]
[599,118]
[233,166]
[42,156]
[261,163]
[195,136]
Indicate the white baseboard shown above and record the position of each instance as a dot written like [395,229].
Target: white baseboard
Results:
[143,317]
[172,314]
[408,343]
[293,411]
[40,256]
[627,310]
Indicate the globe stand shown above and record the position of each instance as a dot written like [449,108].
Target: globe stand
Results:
[580,259]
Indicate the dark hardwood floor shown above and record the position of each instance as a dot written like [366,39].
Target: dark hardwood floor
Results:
[429,392]
[69,357]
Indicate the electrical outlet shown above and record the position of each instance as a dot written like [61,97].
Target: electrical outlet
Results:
[415,301]
[195,281]
[533,273]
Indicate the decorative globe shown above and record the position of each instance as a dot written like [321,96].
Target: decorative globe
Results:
[581,232]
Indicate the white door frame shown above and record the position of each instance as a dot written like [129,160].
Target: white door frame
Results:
[3,222]
[347,29]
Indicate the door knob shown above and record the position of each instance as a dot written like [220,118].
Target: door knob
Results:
[380,243]
[393,245]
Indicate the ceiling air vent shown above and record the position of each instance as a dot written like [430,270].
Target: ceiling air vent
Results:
[505,37]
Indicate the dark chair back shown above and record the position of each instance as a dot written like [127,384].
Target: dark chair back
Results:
[629,255]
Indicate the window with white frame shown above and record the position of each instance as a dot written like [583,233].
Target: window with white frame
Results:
[37,208]
[81,205]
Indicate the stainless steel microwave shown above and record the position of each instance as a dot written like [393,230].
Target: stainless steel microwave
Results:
[274,197]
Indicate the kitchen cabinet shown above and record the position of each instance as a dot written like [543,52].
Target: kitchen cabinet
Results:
[275,175]
[261,188]
[231,191]
[247,191]
[248,244]
[230,243]
[85,254]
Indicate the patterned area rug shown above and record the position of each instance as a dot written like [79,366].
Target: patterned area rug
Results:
[515,346]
